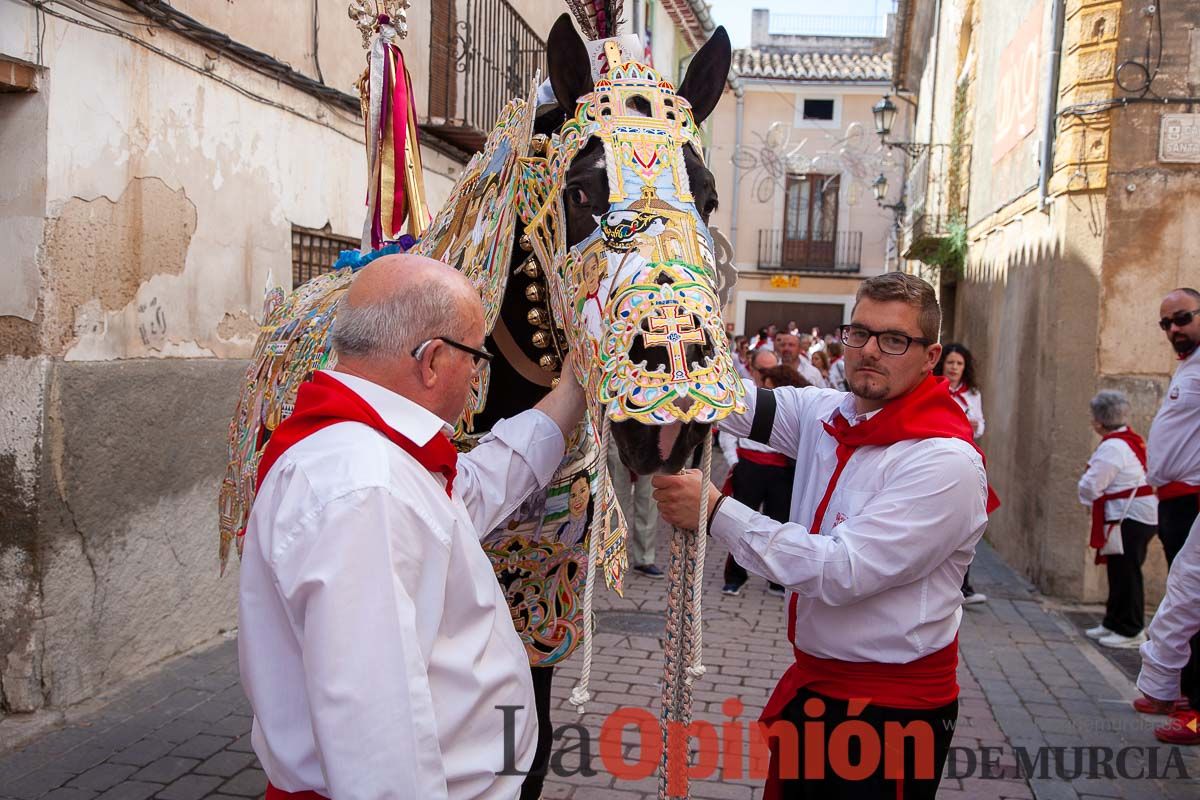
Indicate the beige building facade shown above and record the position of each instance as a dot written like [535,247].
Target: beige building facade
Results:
[793,151]
[1075,204]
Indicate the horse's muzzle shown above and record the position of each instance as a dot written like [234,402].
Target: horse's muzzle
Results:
[651,449]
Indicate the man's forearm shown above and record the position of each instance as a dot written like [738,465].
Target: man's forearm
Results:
[565,404]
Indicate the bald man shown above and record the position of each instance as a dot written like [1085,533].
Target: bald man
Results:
[376,646]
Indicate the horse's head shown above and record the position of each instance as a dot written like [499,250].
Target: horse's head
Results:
[633,277]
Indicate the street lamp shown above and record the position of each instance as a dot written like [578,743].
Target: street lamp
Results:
[884,113]
[880,186]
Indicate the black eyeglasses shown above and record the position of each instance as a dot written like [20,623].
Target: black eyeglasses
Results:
[1179,319]
[893,343]
[479,357]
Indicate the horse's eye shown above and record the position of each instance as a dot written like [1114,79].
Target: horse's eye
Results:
[577,196]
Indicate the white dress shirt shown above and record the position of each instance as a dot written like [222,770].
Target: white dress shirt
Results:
[1114,468]
[1177,620]
[375,642]
[971,402]
[883,580]
[1173,445]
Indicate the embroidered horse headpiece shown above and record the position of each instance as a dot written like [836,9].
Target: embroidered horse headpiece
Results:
[639,295]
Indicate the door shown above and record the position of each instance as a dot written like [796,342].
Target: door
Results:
[810,221]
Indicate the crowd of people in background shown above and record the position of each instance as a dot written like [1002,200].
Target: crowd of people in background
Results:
[1136,490]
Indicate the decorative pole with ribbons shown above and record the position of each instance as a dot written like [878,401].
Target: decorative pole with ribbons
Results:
[395,186]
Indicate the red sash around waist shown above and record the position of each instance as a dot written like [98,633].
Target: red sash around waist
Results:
[280,794]
[1176,489]
[767,459]
[1098,534]
[927,683]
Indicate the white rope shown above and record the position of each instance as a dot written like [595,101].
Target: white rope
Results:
[696,669]
[580,694]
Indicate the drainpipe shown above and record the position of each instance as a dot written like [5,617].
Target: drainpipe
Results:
[1050,113]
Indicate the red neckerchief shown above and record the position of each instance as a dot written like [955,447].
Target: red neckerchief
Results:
[960,394]
[324,401]
[926,412]
[1135,442]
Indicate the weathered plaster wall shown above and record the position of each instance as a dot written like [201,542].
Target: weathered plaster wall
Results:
[160,208]
[21,396]
[133,451]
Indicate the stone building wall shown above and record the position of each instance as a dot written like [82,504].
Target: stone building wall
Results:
[1060,301]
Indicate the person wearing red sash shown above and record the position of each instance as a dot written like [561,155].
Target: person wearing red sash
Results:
[375,645]
[890,499]
[1167,656]
[1173,444]
[759,477]
[1123,506]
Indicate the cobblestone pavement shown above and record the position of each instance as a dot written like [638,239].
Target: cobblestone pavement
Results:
[1027,680]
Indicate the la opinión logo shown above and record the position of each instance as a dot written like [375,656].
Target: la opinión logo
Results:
[856,750]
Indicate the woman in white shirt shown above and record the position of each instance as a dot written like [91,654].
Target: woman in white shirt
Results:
[957,366]
[1113,486]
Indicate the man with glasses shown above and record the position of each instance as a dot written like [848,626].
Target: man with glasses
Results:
[890,498]
[1173,469]
[375,643]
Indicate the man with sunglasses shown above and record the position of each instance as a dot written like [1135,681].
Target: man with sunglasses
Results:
[1173,468]
[890,498]
[375,643]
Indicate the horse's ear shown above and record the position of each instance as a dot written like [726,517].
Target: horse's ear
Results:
[706,75]
[570,66]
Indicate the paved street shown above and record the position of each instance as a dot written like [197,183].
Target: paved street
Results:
[1028,679]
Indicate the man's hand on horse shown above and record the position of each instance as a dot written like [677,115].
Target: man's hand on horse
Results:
[678,497]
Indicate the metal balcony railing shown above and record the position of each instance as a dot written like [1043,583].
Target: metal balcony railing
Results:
[936,190]
[841,252]
[482,55]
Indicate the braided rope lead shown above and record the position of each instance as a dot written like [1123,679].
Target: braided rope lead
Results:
[674,647]
[699,541]
[580,694]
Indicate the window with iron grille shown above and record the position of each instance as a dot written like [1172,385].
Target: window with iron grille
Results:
[315,252]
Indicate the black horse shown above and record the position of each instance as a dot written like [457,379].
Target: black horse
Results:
[524,336]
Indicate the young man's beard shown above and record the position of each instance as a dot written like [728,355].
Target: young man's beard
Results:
[1183,344]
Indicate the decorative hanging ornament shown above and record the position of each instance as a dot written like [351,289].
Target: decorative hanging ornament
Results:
[395,186]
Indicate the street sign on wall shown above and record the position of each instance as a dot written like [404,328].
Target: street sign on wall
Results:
[1179,139]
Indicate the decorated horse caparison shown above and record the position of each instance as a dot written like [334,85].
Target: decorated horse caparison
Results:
[583,224]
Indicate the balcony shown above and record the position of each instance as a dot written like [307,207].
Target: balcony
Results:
[840,254]
[477,63]
[937,191]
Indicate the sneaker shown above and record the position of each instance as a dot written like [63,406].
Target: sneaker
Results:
[1183,728]
[649,570]
[1145,705]
[732,589]
[1120,642]
[775,590]
[974,598]
[1098,632]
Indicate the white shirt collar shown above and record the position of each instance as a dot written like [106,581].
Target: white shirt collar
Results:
[416,422]
[848,410]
